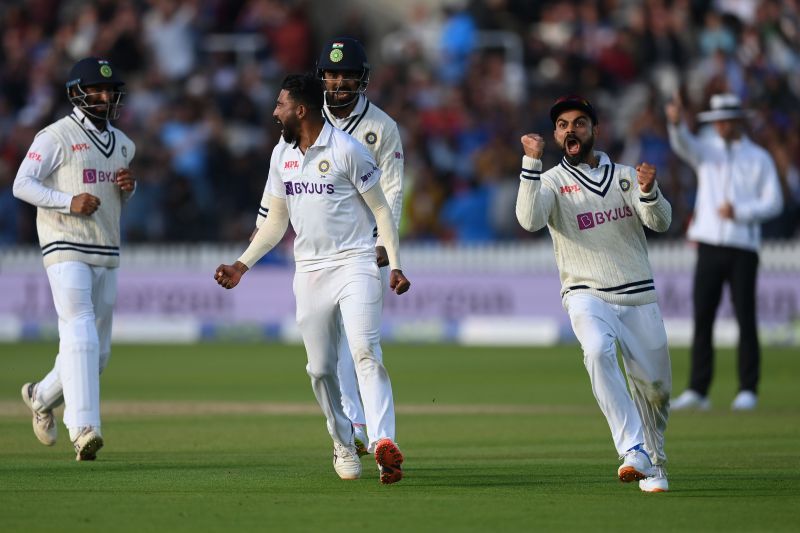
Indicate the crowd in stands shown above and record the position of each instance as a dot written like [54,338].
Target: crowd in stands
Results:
[463,81]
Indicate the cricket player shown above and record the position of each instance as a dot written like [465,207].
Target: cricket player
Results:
[76,174]
[595,210]
[345,71]
[324,182]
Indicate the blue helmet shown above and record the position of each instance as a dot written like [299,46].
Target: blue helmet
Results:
[344,54]
[92,71]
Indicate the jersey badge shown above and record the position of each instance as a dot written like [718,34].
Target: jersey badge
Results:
[371,137]
[124,151]
[625,184]
[324,166]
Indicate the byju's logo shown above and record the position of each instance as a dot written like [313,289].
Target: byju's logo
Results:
[585,221]
[590,220]
[89,175]
[298,187]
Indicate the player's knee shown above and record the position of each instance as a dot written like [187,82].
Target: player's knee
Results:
[600,351]
[320,372]
[366,359]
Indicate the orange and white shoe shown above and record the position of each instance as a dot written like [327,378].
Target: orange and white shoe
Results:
[389,459]
[656,482]
[635,465]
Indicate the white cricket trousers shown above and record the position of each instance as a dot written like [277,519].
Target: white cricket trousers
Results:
[639,331]
[349,295]
[84,297]
[348,380]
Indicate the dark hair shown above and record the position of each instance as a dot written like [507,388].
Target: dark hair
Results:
[305,89]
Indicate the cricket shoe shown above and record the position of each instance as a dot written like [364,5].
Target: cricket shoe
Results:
[44,423]
[656,481]
[389,459]
[87,443]
[346,462]
[690,400]
[745,401]
[361,440]
[635,465]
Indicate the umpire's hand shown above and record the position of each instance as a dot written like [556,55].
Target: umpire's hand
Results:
[84,204]
[398,282]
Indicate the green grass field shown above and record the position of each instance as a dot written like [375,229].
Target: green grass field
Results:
[220,437]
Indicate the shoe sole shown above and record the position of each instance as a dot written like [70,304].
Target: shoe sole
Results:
[89,450]
[654,491]
[627,474]
[27,400]
[389,459]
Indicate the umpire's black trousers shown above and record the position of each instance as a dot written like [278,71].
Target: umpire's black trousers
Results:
[717,265]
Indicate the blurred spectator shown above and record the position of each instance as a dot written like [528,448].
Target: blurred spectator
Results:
[201,114]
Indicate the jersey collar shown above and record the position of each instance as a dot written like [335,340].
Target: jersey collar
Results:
[87,123]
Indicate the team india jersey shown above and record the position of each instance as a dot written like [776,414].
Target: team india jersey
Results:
[373,128]
[323,189]
[83,160]
[595,217]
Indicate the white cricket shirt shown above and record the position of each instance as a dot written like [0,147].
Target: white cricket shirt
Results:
[322,189]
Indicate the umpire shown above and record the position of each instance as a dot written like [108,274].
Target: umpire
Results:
[737,190]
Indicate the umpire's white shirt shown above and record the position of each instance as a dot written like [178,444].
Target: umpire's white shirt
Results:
[322,189]
[741,173]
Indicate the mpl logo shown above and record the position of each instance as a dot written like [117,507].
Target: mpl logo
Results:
[89,175]
[288,165]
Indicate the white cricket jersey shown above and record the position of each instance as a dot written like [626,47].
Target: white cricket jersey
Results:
[373,128]
[67,158]
[742,174]
[322,189]
[595,218]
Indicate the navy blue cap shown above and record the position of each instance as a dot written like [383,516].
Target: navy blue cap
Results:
[572,101]
[343,53]
[93,71]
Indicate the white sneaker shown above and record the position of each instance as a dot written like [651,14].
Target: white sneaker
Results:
[360,439]
[745,401]
[87,443]
[346,461]
[44,423]
[635,465]
[656,482]
[690,400]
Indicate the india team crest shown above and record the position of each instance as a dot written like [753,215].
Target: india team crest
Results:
[336,55]
[324,166]
[625,184]
[105,71]
[371,137]
[124,151]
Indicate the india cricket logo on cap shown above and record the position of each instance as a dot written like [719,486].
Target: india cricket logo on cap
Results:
[105,71]
[336,52]
[324,166]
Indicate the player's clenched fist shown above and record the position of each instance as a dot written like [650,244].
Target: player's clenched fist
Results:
[84,204]
[125,180]
[398,282]
[228,276]
[646,176]
[533,143]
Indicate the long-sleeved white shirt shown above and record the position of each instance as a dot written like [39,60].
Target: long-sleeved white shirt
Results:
[595,217]
[740,173]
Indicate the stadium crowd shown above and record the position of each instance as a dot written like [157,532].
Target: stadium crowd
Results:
[463,82]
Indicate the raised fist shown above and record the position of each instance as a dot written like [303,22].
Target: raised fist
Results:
[533,143]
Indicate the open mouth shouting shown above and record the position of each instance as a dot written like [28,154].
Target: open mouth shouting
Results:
[572,146]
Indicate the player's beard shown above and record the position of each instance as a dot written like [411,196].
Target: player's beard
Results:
[583,153]
[291,130]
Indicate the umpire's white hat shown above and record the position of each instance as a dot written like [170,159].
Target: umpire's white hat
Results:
[724,106]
